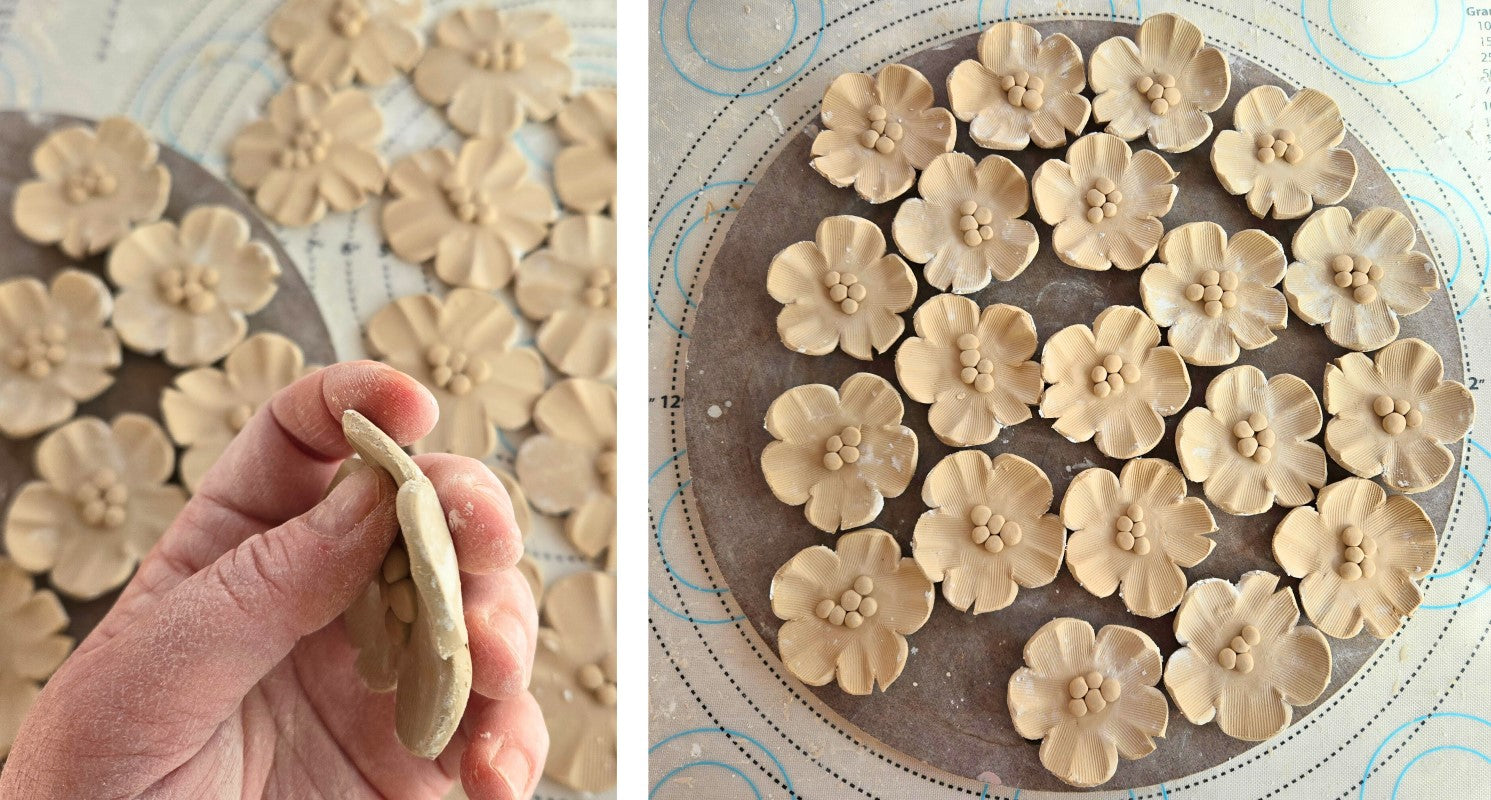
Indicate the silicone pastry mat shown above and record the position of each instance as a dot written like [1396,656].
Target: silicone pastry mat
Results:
[732,82]
[194,72]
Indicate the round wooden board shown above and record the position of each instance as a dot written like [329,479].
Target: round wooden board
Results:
[139,381]
[948,706]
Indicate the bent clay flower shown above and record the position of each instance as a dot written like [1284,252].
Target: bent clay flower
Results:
[1284,154]
[475,214]
[849,610]
[1357,276]
[570,289]
[988,529]
[1113,382]
[1166,85]
[1134,531]
[1392,415]
[841,452]
[100,504]
[56,349]
[1251,445]
[973,367]
[1088,698]
[841,290]
[333,42]
[570,466]
[1105,202]
[877,132]
[32,639]
[585,170]
[493,69]
[966,226]
[1359,553]
[314,150]
[462,350]
[1216,295]
[1245,661]
[187,291]
[207,407]
[92,186]
[574,680]
[1022,89]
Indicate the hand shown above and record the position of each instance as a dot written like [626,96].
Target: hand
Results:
[224,670]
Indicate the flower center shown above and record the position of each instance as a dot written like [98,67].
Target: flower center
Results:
[853,607]
[1091,693]
[396,588]
[600,289]
[1102,200]
[841,448]
[1396,415]
[192,288]
[845,289]
[883,134]
[1279,144]
[500,57]
[239,415]
[1132,532]
[89,182]
[1160,91]
[1215,291]
[1111,376]
[1238,654]
[455,370]
[469,206]
[39,350]
[308,146]
[594,679]
[974,222]
[102,500]
[605,468]
[992,530]
[1358,274]
[348,18]
[1357,551]
[978,371]
[1023,90]
[1255,439]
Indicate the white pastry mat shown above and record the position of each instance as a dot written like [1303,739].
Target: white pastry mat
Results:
[195,72]
[731,78]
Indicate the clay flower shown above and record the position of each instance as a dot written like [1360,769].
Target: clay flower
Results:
[585,170]
[1105,202]
[1284,154]
[878,131]
[1113,381]
[187,291]
[841,452]
[570,288]
[965,227]
[474,214]
[973,367]
[1022,89]
[208,407]
[1245,661]
[92,186]
[1359,553]
[462,350]
[574,680]
[1392,415]
[314,150]
[1251,445]
[570,466]
[33,643]
[331,42]
[1356,277]
[100,504]
[841,290]
[493,69]
[1132,533]
[1089,698]
[849,610]
[987,530]
[1165,85]
[57,353]
[1214,294]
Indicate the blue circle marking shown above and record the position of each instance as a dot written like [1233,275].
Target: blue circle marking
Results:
[1398,784]
[673,62]
[1330,15]
[1459,241]
[734,734]
[1479,221]
[1315,45]
[692,764]
[662,519]
[688,29]
[1112,10]
[1486,510]
[682,239]
[1361,788]
[652,241]
[687,618]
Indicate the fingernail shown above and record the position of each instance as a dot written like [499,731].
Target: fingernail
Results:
[515,769]
[352,499]
[514,637]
